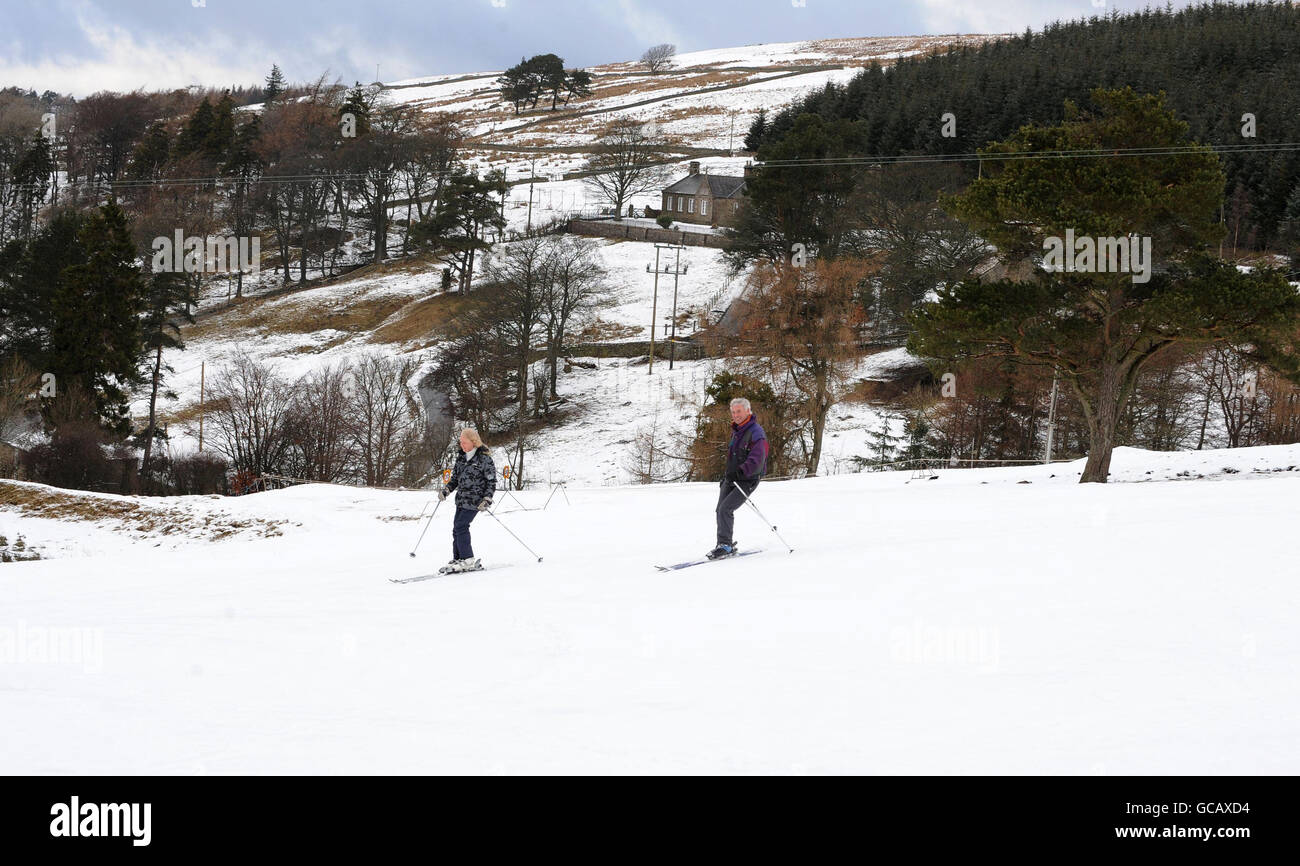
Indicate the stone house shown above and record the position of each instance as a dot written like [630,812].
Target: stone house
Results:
[705,199]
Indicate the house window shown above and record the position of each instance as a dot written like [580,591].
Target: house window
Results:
[704,207]
[690,204]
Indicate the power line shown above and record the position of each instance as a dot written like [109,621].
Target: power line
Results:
[902,159]
[1095,153]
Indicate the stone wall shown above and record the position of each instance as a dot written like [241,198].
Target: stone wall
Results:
[619,229]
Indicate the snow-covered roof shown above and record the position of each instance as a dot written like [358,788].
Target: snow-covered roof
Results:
[719,186]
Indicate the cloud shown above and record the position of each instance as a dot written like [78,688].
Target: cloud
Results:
[646,26]
[100,55]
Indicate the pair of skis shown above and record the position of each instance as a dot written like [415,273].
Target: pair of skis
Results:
[693,562]
[442,573]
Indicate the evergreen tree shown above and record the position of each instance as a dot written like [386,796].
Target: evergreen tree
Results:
[95,333]
[882,444]
[1215,61]
[151,154]
[800,195]
[357,105]
[471,206]
[757,129]
[32,175]
[167,302]
[274,83]
[1099,327]
[1289,230]
[221,135]
[29,272]
[197,131]
[577,84]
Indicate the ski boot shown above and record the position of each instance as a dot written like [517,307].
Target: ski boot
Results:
[722,551]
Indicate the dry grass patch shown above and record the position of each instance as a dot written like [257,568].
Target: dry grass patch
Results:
[421,318]
[299,316]
[601,331]
[150,519]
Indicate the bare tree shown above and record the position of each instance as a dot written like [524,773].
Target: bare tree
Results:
[575,289]
[328,450]
[473,367]
[1230,379]
[628,160]
[659,57]
[518,285]
[251,414]
[804,331]
[431,153]
[386,422]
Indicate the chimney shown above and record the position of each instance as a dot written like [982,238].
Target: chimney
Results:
[695,167]
[749,170]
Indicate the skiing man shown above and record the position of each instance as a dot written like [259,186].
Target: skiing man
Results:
[474,480]
[746,465]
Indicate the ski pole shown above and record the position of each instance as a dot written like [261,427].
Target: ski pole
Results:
[426,525]
[560,487]
[760,514]
[512,535]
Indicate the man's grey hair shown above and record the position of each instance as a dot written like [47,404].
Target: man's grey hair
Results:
[742,402]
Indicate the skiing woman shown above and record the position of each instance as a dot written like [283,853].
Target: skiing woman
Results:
[474,480]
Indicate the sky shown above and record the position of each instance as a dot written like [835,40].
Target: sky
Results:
[82,46]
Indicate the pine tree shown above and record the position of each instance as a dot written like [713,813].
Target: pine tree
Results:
[167,302]
[151,153]
[757,130]
[882,444]
[97,336]
[221,135]
[274,83]
[1099,327]
[357,105]
[471,205]
[198,129]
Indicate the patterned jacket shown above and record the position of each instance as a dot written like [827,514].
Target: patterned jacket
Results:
[474,478]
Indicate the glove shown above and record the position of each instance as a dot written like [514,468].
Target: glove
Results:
[730,477]
[443,493]
[485,504]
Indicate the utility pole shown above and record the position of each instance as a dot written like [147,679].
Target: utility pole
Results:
[1051,416]
[654,306]
[678,270]
[532,175]
[203,377]
[654,311]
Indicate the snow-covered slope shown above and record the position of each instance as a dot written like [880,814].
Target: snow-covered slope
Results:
[969,624]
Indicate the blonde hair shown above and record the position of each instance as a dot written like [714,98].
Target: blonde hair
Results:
[474,438]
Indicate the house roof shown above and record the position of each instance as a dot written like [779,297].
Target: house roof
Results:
[719,186]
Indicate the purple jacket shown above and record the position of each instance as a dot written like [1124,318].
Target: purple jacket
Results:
[747,452]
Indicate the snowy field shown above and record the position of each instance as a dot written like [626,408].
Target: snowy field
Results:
[970,624]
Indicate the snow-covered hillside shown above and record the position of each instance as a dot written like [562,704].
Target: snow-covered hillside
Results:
[974,623]
[704,104]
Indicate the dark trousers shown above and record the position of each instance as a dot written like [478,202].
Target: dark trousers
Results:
[460,547]
[729,499]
